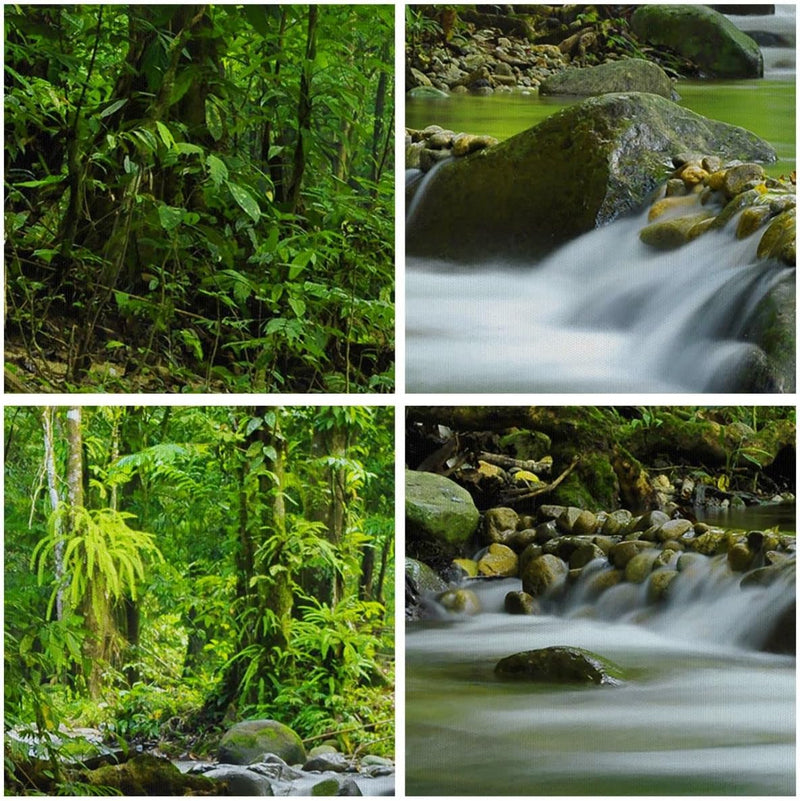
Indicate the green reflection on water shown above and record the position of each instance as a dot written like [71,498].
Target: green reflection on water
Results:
[765,107]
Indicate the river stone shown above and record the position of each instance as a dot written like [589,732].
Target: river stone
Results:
[710,543]
[585,553]
[703,35]
[499,523]
[653,518]
[499,560]
[425,578]
[333,761]
[440,515]
[622,552]
[625,75]
[671,234]
[617,522]
[578,169]
[560,665]
[640,566]
[520,603]
[673,529]
[426,93]
[740,557]
[251,739]
[145,774]
[465,567]
[658,587]
[543,574]
[463,602]
[240,780]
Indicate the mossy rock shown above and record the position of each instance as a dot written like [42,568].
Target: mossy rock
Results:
[251,739]
[146,774]
[560,665]
[440,515]
[703,35]
[578,169]
[625,75]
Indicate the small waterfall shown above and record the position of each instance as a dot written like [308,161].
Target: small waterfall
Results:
[602,313]
[775,34]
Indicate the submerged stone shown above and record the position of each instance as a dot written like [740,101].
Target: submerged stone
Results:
[559,665]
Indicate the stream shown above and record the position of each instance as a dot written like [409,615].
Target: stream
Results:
[702,712]
[602,313]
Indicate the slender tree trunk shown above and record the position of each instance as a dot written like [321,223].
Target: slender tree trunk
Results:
[48,420]
[303,112]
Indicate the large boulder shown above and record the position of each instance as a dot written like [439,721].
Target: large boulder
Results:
[146,774]
[703,35]
[249,740]
[441,516]
[626,75]
[578,169]
[560,665]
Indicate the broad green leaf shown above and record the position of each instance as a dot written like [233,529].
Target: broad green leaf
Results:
[252,424]
[50,179]
[115,106]
[166,135]
[169,216]
[245,200]
[217,170]
[192,341]
[298,306]
[214,119]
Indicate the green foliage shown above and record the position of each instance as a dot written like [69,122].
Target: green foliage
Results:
[152,163]
[103,557]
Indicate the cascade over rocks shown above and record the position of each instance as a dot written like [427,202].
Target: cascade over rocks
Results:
[578,169]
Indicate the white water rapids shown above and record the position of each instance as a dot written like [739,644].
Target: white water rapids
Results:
[701,714]
[602,313]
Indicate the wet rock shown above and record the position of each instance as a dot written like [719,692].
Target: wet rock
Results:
[703,35]
[249,740]
[640,566]
[622,553]
[333,761]
[467,568]
[543,574]
[626,75]
[740,557]
[240,781]
[559,665]
[463,602]
[671,234]
[577,521]
[521,603]
[673,529]
[658,586]
[617,522]
[585,553]
[653,518]
[499,560]
[427,93]
[782,639]
[440,515]
[499,523]
[579,168]
[145,775]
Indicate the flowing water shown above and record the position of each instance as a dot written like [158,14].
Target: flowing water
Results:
[700,713]
[602,313]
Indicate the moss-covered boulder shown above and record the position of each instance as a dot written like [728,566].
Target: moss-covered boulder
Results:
[251,739]
[146,774]
[559,665]
[626,75]
[441,516]
[703,35]
[579,168]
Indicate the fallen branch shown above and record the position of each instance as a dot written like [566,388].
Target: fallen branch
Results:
[507,462]
[515,495]
[334,732]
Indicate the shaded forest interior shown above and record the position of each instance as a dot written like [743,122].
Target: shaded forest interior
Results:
[199,198]
[170,571]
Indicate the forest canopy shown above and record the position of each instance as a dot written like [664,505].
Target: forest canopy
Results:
[199,198]
[172,570]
